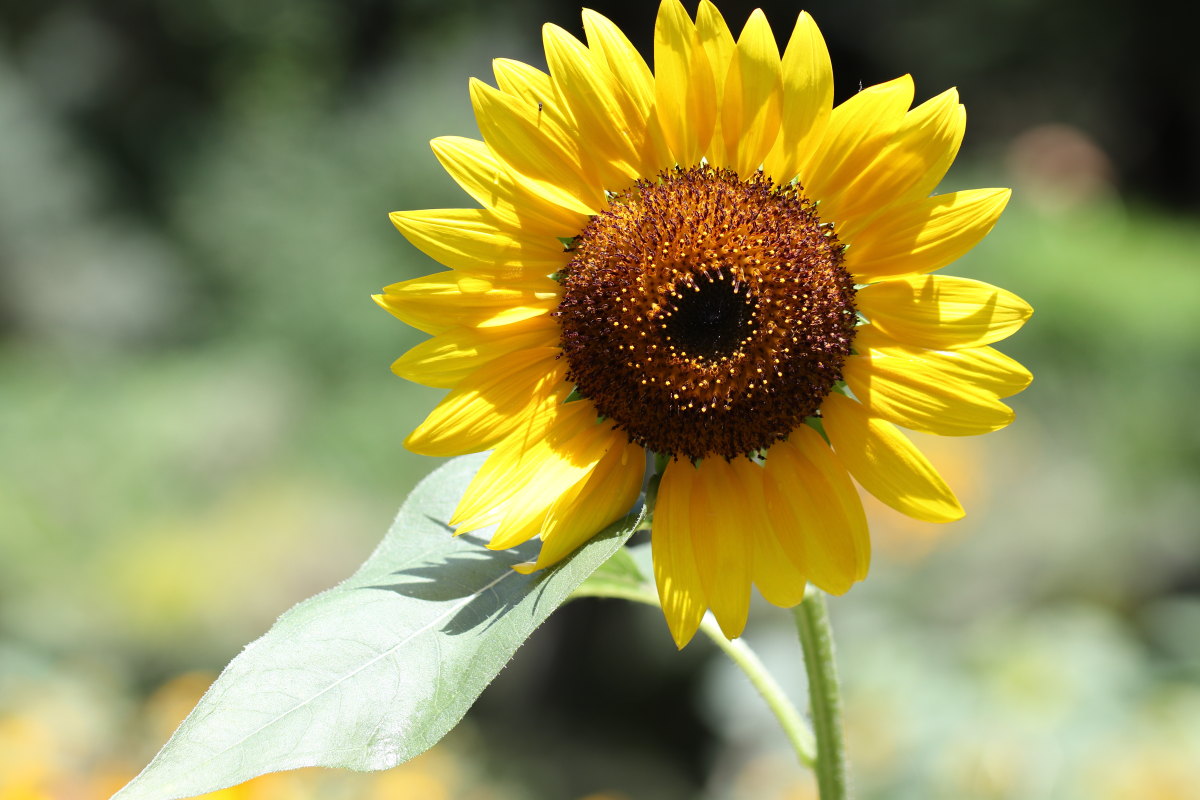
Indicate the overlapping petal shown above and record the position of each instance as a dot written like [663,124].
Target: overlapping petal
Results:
[886,463]
[490,404]
[816,513]
[915,393]
[910,165]
[685,91]
[450,357]
[611,126]
[922,236]
[476,241]
[504,472]
[723,543]
[602,498]
[635,85]
[985,368]
[476,169]
[622,58]
[547,158]
[568,454]
[857,132]
[751,102]
[779,578]
[437,303]
[807,100]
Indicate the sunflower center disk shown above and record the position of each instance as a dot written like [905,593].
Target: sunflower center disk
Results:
[707,315]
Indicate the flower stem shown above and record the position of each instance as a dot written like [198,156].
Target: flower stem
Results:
[816,637]
[789,718]
[739,652]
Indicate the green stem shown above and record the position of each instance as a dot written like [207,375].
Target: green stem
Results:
[789,718]
[740,653]
[816,637]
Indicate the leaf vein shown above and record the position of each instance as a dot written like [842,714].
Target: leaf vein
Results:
[333,684]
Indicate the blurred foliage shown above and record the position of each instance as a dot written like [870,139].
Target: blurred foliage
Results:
[198,428]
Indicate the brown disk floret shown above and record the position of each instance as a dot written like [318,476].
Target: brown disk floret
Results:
[707,315]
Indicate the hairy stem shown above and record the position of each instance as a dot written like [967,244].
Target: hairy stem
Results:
[816,637]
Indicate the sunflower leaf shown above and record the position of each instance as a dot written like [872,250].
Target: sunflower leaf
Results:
[620,571]
[376,670]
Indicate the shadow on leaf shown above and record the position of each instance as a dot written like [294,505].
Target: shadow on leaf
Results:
[482,580]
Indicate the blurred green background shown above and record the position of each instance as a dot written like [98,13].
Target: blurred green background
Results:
[198,427]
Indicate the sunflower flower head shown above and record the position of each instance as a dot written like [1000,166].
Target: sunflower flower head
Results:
[712,263]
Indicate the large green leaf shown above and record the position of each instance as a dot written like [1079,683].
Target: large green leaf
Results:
[375,671]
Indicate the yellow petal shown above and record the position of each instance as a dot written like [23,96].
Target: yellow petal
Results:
[750,108]
[450,357]
[530,84]
[536,98]
[545,158]
[635,87]
[903,391]
[930,136]
[622,58]
[723,535]
[858,129]
[886,463]
[473,240]
[509,467]
[807,101]
[919,237]
[607,131]
[679,589]
[489,405]
[477,170]
[714,36]
[717,41]
[684,91]
[437,303]
[558,466]
[780,579]
[593,504]
[816,512]
[910,165]
[942,312]
[982,367]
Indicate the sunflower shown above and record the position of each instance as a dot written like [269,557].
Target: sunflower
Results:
[710,270]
